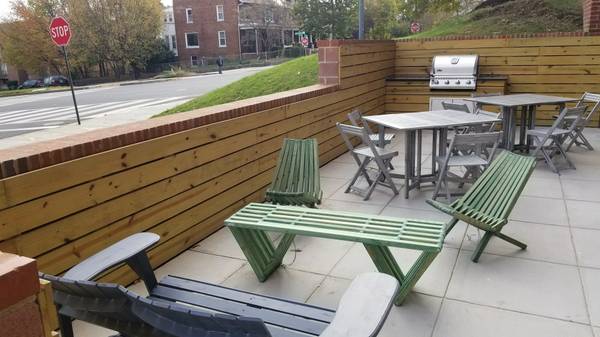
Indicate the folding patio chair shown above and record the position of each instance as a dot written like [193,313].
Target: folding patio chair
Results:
[356,119]
[364,155]
[549,141]
[469,151]
[576,137]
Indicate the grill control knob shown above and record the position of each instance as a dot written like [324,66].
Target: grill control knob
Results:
[469,82]
[436,82]
[457,81]
[447,82]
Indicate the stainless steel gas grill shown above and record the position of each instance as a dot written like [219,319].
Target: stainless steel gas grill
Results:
[454,72]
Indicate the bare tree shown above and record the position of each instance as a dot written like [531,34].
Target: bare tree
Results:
[269,19]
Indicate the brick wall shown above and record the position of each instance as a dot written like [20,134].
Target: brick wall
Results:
[591,16]
[205,23]
[329,62]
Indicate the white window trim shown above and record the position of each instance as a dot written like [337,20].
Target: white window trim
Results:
[192,60]
[186,40]
[219,38]
[222,11]
[188,17]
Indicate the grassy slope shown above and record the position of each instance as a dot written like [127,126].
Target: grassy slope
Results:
[518,16]
[300,72]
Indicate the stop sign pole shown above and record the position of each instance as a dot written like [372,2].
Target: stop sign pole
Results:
[60,32]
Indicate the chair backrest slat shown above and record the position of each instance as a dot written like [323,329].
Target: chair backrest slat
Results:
[587,98]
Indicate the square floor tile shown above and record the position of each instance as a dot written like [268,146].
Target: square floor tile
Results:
[284,283]
[416,200]
[338,170]
[85,329]
[415,318]
[331,185]
[350,206]
[591,284]
[587,246]
[527,286]
[597,331]
[221,243]
[459,319]
[199,266]
[315,255]
[584,214]
[542,187]
[433,282]
[380,196]
[329,293]
[540,210]
[585,190]
[544,242]
[583,172]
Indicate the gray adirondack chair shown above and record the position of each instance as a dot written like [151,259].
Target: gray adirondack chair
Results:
[549,141]
[180,307]
[364,155]
[355,117]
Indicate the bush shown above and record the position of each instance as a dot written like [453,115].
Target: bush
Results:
[12,85]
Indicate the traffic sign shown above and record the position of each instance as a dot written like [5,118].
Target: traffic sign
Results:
[415,27]
[60,31]
[304,41]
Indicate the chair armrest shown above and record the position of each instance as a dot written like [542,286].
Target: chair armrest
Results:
[364,306]
[131,250]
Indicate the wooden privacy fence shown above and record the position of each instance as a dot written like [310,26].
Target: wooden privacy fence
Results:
[563,65]
[180,186]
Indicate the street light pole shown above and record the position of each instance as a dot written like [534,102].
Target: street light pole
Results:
[361,19]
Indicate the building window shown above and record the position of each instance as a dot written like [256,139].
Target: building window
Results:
[170,17]
[220,13]
[194,60]
[188,15]
[191,40]
[173,42]
[222,39]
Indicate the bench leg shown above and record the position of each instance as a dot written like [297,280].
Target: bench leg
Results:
[511,240]
[263,256]
[384,261]
[481,246]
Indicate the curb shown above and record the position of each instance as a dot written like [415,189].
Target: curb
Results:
[47,92]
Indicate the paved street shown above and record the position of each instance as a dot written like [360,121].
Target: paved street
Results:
[34,113]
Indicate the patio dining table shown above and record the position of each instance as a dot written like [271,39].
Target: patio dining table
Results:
[509,105]
[413,124]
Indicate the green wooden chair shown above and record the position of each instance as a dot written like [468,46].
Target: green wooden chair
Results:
[296,179]
[489,202]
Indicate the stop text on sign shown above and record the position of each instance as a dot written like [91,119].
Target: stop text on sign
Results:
[60,31]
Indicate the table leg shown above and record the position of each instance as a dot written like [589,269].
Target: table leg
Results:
[433,151]
[523,126]
[407,161]
[419,156]
[386,263]
[531,125]
[381,136]
[262,255]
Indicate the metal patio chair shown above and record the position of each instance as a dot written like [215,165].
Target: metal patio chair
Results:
[576,137]
[356,119]
[469,151]
[549,140]
[364,155]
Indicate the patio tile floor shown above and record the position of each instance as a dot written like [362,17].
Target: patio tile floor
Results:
[550,290]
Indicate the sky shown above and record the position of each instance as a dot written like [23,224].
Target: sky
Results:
[5,6]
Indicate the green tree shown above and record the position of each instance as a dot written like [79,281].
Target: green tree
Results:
[381,18]
[323,19]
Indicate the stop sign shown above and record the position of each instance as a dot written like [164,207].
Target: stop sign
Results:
[60,31]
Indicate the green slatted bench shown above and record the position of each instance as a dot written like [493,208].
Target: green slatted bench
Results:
[251,224]
[296,179]
[489,202]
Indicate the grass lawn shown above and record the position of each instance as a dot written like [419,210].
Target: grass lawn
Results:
[300,72]
[19,92]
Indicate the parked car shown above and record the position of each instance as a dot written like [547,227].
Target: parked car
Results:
[56,80]
[31,84]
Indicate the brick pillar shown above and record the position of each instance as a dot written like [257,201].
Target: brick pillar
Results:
[591,16]
[19,284]
[329,61]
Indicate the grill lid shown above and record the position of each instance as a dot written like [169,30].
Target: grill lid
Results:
[454,72]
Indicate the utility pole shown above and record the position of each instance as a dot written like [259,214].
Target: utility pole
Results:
[361,19]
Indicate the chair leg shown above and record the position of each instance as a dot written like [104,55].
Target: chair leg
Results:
[481,246]
[548,160]
[511,240]
[388,179]
[372,186]
[584,140]
[562,152]
[450,225]
[66,325]
[361,171]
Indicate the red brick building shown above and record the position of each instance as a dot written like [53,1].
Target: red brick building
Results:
[206,28]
